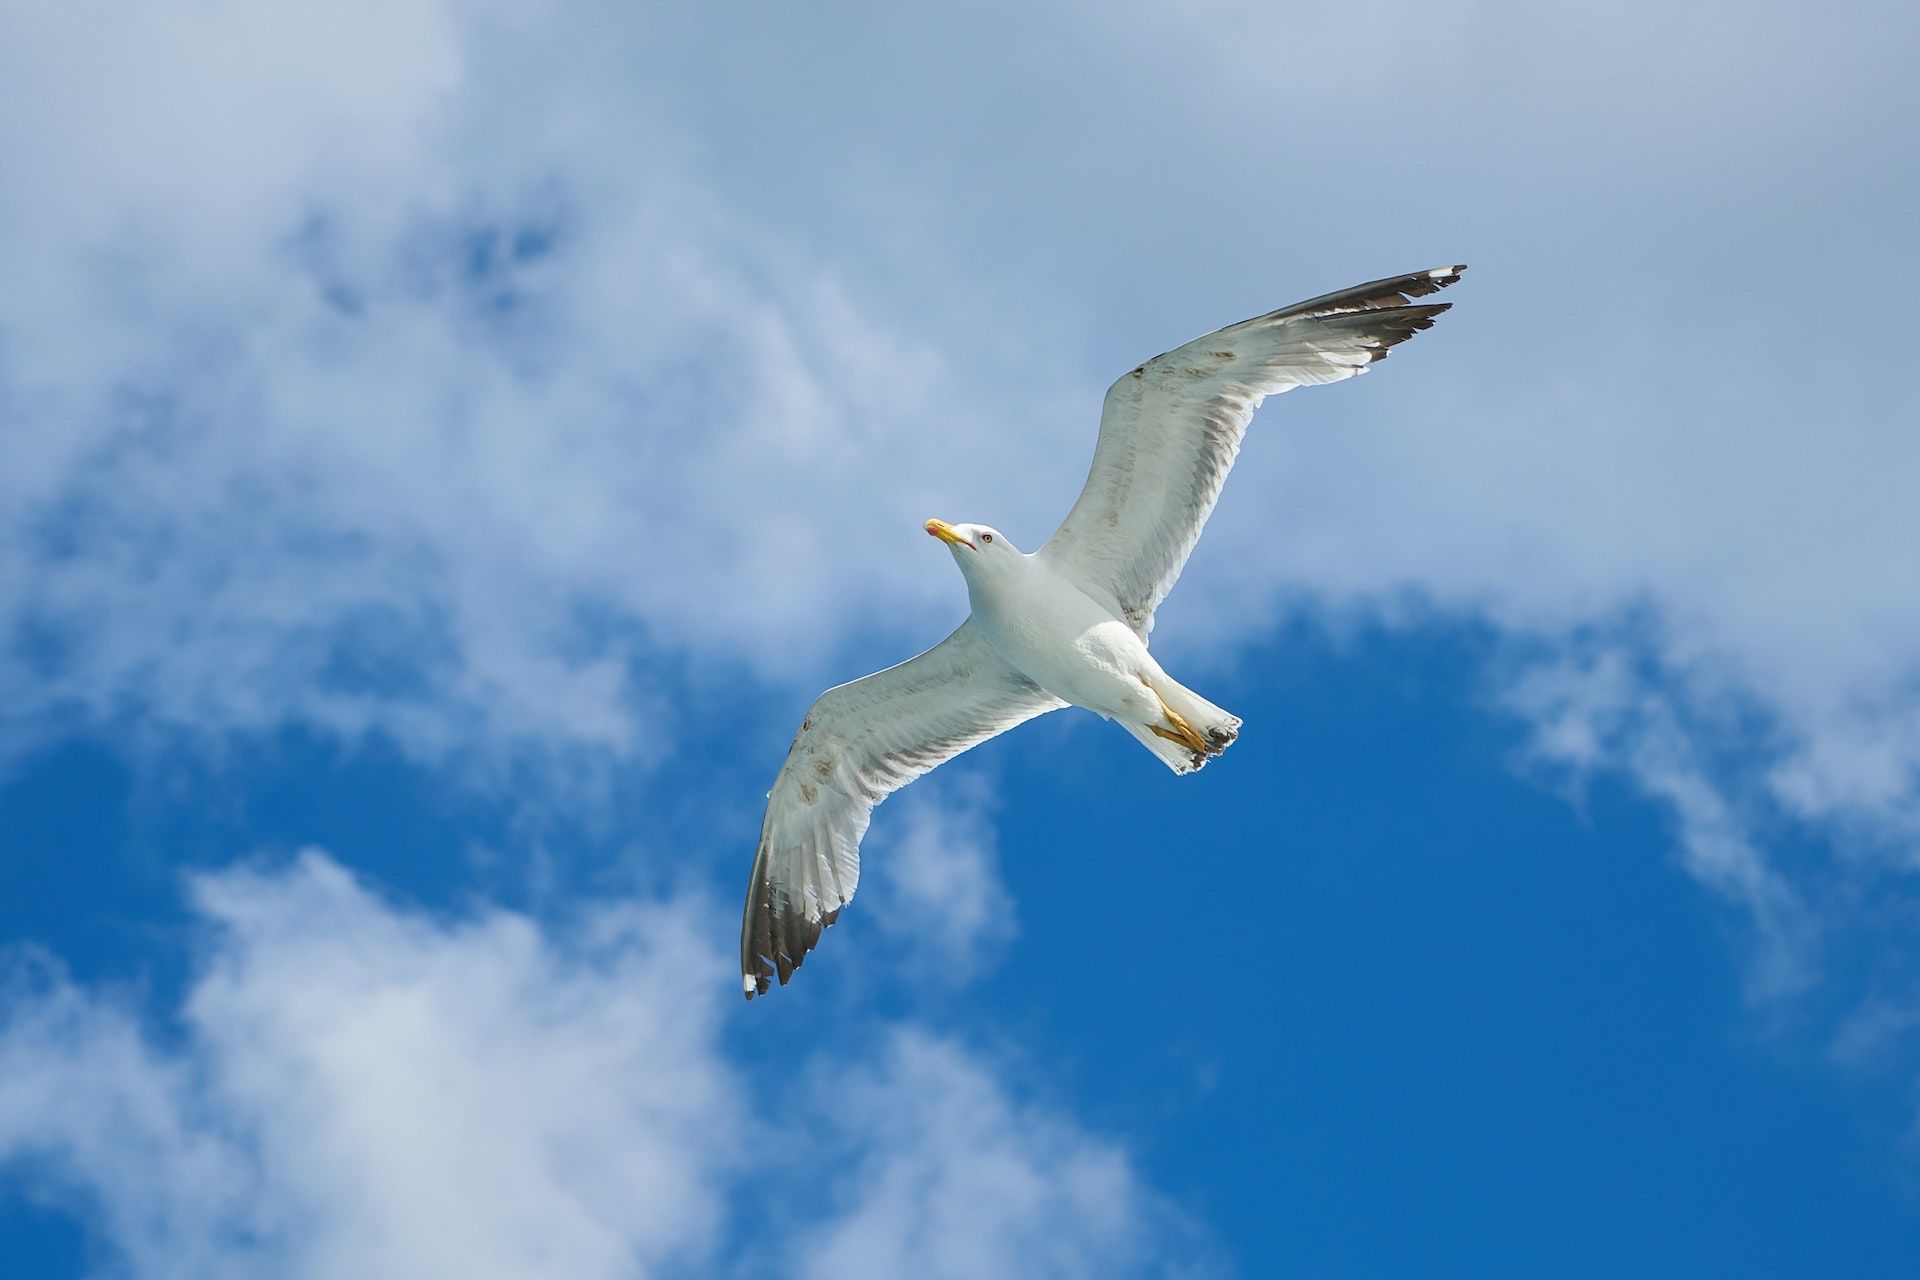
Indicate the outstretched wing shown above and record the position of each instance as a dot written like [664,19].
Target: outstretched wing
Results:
[1171,428]
[858,743]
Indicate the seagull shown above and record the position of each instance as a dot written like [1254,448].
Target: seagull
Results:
[1067,624]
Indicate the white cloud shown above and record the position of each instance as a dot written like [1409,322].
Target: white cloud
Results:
[963,1180]
[1594,712]
[382,405]
[935,883]
[358,1089]
[365,1091]
[92,1114]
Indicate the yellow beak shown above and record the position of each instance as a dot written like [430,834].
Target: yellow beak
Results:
[947,533]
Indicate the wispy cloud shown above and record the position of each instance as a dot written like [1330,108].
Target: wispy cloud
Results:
[959,1179]
[935,885]
[1597,712]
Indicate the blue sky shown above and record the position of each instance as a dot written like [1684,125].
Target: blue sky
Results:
[444,447]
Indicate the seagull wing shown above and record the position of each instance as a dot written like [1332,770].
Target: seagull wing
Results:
[859,743]
[1170,430]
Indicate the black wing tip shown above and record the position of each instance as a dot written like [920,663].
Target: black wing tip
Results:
[1397,290]
[1380,329]
[1439,278]
[1401,289]
[781,947]
[1376,295]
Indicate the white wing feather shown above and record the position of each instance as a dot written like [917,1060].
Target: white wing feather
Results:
[1170,430]
[858,743]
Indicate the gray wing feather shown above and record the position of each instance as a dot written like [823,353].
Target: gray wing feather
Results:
[1170,430]
[858,743]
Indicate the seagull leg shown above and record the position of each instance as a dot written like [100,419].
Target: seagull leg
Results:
[1181,732]
[1188,739]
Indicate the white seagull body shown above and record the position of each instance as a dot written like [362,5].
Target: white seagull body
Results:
[1067,624]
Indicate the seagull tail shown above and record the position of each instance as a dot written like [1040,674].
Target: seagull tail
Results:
[1193,733]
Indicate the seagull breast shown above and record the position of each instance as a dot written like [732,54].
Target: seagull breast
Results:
[1053,633]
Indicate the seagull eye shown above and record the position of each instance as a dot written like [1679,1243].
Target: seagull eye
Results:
[986,537]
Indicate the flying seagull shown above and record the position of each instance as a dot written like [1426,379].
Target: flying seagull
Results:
[1067,624]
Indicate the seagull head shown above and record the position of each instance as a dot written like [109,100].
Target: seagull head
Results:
[976,548]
